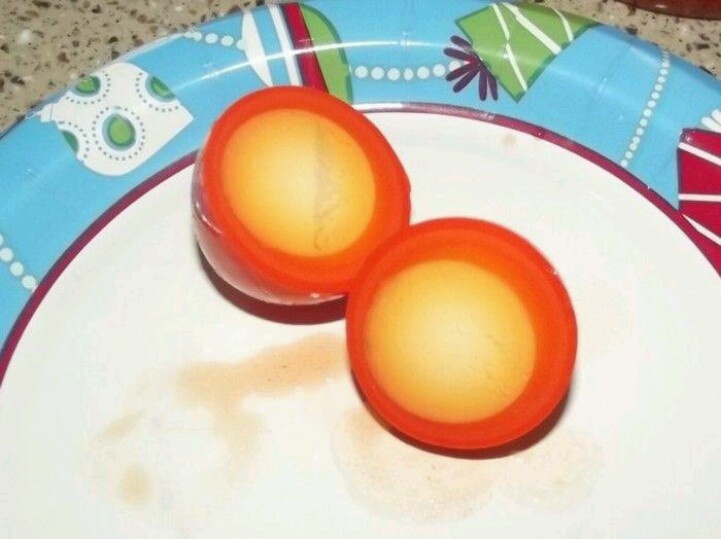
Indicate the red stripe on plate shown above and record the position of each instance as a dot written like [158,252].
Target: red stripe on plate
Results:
[303,43]
[707,214]
[708,141]
[698,174]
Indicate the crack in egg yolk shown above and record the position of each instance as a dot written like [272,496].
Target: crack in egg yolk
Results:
[450,342]
[298,182]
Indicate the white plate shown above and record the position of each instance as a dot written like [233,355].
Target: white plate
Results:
[99,440]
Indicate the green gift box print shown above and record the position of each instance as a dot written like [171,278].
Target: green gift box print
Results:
[516,42]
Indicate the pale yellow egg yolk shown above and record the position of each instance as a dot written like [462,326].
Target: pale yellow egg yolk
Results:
[450,342]
[298,182]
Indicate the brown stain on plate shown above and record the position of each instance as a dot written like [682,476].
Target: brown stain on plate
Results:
[119,428]
[134,487]
[131,457]
[509,140]
[556,473]
[399,480]
[307,363]
[383,473]
[219,388]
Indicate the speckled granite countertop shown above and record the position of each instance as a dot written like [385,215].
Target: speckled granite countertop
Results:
[46,44]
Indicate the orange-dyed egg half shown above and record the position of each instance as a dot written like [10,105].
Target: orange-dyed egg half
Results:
[461,335]
[292,191]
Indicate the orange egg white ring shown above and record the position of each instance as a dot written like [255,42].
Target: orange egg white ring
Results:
[267,272]
[519,268]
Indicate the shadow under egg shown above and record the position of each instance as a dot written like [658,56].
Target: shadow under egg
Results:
[299,315]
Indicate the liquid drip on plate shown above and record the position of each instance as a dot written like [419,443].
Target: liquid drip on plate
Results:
[307,363]
[398,480]
[509,140]
[556,473]
[219,388]
[401,481]
[119,428]
[185,446]
[181,448]
[134,487]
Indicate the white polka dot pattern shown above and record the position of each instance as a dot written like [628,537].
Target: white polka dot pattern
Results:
[15,267]
[212,38]
[648,111]
[395,74]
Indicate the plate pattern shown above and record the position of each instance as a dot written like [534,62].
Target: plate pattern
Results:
[627,101]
